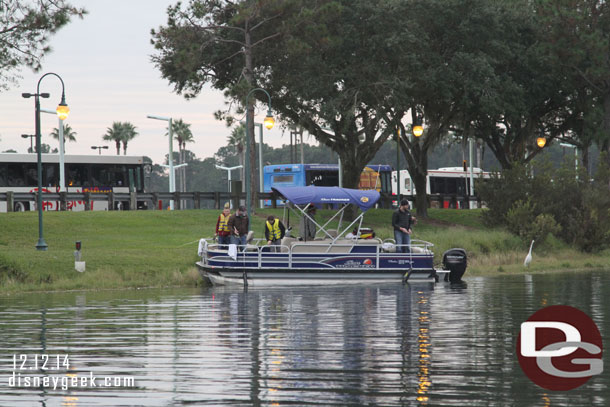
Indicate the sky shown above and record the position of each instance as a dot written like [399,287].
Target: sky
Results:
[104,61]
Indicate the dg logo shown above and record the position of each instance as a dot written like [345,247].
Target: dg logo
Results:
[560,348]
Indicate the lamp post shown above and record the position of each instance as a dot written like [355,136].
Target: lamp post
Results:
[60,133]
[99,148]
[31,136]
[170,158]
[268,122]
[228,170]
[62,112]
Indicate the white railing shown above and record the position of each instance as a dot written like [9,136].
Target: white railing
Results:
[425,247]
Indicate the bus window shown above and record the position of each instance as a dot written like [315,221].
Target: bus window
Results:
[31,174]
[277,179]
[322,178]
[437,185]
[50,176]
[77,175]
[15,175]
[3,182]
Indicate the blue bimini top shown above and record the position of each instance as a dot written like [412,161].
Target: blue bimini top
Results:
[365,199]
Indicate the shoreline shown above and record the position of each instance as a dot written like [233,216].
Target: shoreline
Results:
[157,249]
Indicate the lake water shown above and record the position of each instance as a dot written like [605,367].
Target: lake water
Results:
[391,345]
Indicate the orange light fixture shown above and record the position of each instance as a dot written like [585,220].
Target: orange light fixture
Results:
[269,121]
[541,142]
[418,130]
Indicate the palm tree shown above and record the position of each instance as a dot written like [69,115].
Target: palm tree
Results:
[182,134]
[129,132]
[237,140]
[69,134]
[115,133]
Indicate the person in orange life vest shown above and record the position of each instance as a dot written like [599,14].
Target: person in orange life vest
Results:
[223,232]
[274,232]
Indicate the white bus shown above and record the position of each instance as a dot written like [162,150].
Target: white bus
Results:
[83,173]
[448,181]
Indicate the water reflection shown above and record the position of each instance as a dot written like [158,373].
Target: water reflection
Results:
[384,345]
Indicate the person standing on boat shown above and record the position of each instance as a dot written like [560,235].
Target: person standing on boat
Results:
[307,226]
[223,232]
[238,224]
[402,222]
[274,232]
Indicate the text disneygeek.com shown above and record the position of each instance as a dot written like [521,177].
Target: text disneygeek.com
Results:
[69,381]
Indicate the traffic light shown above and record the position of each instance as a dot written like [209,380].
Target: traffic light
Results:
[465,166]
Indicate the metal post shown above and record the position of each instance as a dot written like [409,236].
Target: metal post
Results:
[261,182]
[471,146]
[41,244]
[171,166]
[62,172]
[398,167]
[172,181]
[229,170]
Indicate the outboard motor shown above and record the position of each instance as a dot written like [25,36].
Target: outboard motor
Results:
[455,260]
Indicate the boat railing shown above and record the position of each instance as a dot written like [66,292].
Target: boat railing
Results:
[320,248]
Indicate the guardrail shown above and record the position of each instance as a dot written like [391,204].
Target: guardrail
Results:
[193,200]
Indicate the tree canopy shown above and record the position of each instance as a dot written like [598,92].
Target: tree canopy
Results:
[25,29]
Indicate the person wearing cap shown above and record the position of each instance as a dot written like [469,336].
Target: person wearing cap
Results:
[402,222]
[238,225]
[307,226]
[223,232]
[274,232]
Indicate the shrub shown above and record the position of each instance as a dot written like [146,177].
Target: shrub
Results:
[534,203]
[523,221]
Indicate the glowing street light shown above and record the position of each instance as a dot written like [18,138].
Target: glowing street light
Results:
[541,142]
[62,113]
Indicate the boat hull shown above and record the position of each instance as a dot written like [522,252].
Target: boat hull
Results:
[279,276]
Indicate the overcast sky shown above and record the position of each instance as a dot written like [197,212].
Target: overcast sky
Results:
[104,60]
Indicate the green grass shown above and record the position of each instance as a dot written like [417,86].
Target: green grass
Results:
[158,248]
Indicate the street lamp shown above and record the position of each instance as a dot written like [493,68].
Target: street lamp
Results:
[31,136]
[60,133]
[268,122]
[62,112]
[170,158]
[541,142]
[99,148]
[229,169]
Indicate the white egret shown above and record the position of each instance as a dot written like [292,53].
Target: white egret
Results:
[528,258]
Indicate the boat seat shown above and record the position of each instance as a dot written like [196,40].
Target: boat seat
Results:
[333,232]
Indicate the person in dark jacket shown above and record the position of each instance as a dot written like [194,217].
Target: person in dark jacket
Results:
[274,232]
[402,221]
[238,224]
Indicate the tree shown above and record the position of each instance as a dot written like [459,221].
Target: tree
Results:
[69,134]
[115,133]
[182,134]
[25,29]
[578,38]
[120,133]
[204,43]
[129,132]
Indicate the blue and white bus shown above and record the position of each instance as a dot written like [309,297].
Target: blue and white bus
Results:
[323,175]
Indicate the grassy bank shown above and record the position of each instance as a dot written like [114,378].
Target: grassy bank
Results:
[158,248]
